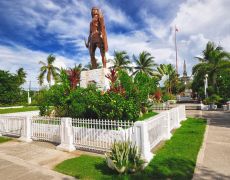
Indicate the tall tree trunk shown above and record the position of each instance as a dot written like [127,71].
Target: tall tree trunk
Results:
[214,80]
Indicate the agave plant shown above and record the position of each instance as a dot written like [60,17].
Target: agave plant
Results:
[118,158]
[124,157]
[135,161]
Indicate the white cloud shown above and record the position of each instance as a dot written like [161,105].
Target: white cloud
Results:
[209,17]
[136,42]
[69,22]
[117,16]
[225,42]
[13,58]
[198,21]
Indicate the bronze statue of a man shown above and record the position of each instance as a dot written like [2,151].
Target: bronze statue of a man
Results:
[97,37]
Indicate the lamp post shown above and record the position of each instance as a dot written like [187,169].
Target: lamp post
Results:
[205,85]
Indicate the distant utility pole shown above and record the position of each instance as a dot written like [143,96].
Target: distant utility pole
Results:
[29,98]
[176,30]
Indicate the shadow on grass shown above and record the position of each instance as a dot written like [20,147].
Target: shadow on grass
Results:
[171,168]
[106,171]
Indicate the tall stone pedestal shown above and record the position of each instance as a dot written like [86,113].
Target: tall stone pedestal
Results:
[95,76]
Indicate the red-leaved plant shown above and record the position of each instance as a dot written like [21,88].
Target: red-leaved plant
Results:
[74,76]
[113,77]
[158,95]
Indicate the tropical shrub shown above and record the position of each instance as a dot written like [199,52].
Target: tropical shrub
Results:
[124,157]
[114,85]
[125,99]
[74,75]
[87,103]
[10,90]
[158,96]
[42,100]
[213,99]
[215,62]
[138,88]
[168,96]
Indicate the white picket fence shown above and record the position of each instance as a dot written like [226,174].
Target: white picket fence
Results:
[99,134]
[157,129]
[11,125]
[46,129]
[94,134]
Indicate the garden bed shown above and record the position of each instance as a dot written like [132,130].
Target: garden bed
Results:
[175,160]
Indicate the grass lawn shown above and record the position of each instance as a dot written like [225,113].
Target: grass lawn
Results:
[14,110]
[175,160]
[86,167]
[147,115]
[4,139]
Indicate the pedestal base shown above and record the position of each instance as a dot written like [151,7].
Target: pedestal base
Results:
[66,147]
[168,136]
[147,158]
[24,139]
[95,76]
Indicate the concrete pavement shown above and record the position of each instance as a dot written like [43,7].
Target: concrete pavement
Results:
[25,161]
[213,160]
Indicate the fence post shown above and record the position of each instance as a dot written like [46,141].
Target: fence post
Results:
[26,130]
[184,112]
[66,135]
[168,134]
[178,117]
[141,139]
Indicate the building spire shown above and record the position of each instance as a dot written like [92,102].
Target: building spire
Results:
[184,72]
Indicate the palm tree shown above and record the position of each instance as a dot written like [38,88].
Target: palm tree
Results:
[214,59]
[90,67]
[144,64]
[49,69]
[121,61]
[168,70]
[21,74]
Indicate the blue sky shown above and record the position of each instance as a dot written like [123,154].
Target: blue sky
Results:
[32,29]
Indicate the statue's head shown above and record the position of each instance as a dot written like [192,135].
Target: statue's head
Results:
[94,11]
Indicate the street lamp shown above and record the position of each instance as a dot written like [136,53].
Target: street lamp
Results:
[205,85]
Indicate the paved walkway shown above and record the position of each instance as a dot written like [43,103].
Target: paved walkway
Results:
[25,161]
[214,157]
